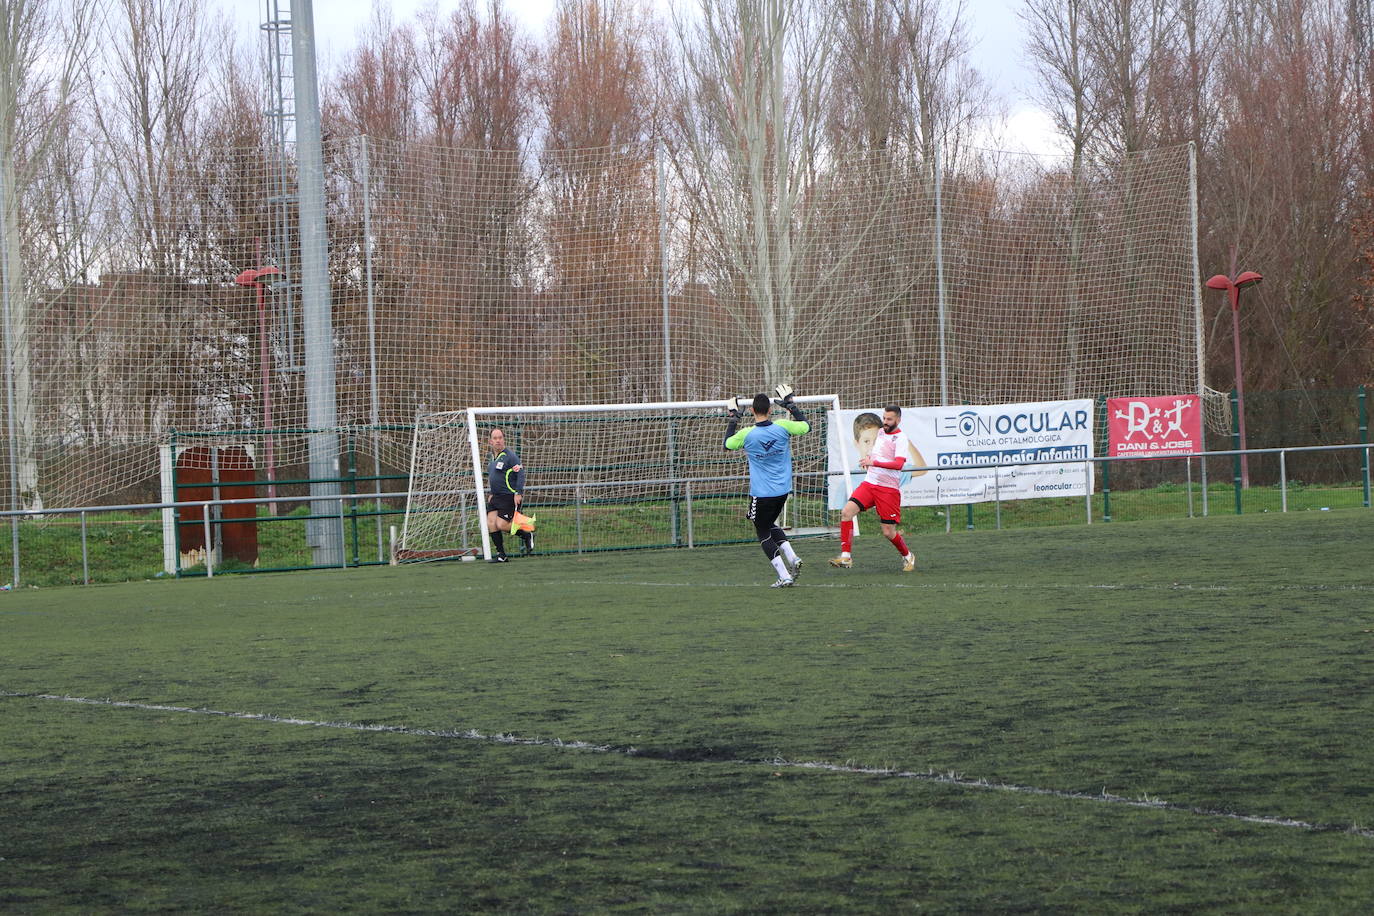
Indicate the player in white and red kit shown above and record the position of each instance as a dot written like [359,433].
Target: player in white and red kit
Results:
[881,488]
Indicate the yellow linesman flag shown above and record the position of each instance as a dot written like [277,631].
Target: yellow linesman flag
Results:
[522,522]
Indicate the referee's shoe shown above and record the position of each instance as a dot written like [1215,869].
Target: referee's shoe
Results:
[499,558]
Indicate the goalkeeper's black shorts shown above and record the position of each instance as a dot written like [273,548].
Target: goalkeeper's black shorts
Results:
[764,512]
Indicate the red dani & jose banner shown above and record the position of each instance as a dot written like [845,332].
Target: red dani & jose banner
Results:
[1154,427]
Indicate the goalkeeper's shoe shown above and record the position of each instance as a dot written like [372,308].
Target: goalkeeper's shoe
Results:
[796,569]
[842,562]
[782,583]
[909,563]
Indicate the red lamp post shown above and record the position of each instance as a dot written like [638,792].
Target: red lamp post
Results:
[1233,288]
[253,278]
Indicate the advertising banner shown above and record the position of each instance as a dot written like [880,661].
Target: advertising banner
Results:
[1154,427]
[955,451]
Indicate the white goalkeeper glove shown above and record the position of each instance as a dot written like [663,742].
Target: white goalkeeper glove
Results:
[784,393]
[736,406]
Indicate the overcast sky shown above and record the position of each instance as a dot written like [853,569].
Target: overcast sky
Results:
[992,24]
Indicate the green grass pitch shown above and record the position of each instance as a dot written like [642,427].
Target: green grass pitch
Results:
[1161,716]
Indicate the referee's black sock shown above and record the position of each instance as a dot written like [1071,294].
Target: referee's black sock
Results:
[499,539]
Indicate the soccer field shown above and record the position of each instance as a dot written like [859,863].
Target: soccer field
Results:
[1146,717]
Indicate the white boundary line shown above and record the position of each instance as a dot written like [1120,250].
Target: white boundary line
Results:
[860,582]
[950,779]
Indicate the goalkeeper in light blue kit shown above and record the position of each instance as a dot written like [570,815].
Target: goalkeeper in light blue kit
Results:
[769,447]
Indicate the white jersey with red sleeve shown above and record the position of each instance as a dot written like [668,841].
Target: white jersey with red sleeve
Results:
[891,452]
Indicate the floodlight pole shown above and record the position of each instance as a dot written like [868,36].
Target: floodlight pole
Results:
[324,533]
[1233,288]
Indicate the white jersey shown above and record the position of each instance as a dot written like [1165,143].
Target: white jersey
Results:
[886,448]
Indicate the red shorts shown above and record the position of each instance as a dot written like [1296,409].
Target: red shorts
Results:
[887,499]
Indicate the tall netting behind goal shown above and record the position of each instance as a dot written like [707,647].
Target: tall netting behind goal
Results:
[604,477]
[459,277]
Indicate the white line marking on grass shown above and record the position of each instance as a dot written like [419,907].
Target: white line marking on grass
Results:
[949,779]
[470,734]
[993,586]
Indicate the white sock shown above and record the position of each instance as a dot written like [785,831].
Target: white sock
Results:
[788,553]
[781,567]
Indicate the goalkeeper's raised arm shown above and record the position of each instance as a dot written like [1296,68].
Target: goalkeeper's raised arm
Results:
[785,400]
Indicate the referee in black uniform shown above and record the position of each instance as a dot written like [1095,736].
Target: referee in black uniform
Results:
[505,486]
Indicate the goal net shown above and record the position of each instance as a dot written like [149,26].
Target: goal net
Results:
[602,477]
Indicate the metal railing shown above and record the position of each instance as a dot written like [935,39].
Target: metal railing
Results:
[580,491]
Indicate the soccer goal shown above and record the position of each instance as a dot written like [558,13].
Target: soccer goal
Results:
[602,477]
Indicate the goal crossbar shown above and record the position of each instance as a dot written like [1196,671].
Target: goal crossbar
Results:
[829,399]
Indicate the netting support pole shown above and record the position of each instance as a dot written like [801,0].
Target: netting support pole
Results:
[660,169]
[663,270]
[940,273]
[11,416]
[1199,346]
[375,411]
[324,538]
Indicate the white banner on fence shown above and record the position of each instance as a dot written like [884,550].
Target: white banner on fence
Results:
[955,451]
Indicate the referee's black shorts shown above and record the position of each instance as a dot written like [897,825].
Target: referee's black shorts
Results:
[503,504]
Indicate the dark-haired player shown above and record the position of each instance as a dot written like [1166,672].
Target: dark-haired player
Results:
[768,445]
[881,489]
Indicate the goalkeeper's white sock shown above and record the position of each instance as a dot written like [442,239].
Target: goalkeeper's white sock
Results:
[781,567]
[788,553]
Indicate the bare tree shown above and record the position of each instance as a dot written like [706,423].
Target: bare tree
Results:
[1058,48]
[1068,75]
[1288,167]
[150,115]
[374,93]
[448,106]
[43,50]
[603,320]
[1129,42]
[944,95]
[866,107]
[749,115]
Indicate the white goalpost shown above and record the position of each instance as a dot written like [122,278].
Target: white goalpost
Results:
[601,477]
